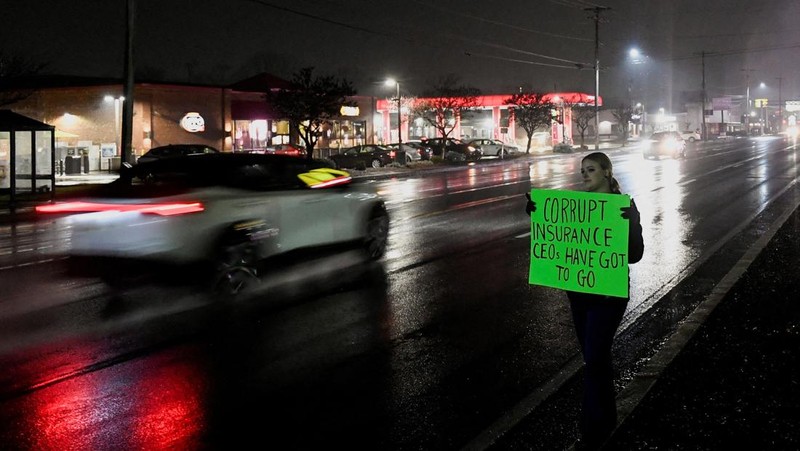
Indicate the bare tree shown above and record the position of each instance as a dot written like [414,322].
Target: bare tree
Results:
[445,103]
[14,70]
[623,114]
[311,102]
[530,111]
[583,115]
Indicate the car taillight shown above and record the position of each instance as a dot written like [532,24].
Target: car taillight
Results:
[168,209]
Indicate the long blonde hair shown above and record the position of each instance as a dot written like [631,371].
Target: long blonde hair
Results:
[605,164]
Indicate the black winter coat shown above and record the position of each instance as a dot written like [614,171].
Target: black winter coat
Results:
[635,250]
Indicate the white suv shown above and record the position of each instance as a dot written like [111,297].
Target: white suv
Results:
[691,136]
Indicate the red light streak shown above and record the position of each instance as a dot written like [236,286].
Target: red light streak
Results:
[93,207]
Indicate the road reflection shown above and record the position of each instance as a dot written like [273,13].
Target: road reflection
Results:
[149,376]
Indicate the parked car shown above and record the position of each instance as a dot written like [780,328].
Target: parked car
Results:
[451,148]
[415,150]
[364,156]
[175,150]
[691,136]
[222,214]
[493,147]
[669,143]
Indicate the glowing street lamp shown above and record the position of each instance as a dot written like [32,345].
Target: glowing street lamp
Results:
[401,155]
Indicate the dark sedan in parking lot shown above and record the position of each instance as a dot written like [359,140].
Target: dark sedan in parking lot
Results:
[364,156]
[453,149]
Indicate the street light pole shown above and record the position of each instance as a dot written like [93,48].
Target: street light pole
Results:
[747,101]
[780,104]
[401,155]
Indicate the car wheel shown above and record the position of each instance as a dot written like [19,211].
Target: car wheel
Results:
[377,233]
[502,153]
[376,163]
[235,269]
[233,281]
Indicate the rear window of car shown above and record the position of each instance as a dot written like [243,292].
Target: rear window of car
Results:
[175,151]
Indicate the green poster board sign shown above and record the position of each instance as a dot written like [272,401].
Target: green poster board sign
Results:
[579,242]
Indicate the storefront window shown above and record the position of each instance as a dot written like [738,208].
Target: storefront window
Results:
[251,135]
[345,133]
[5,160]
[280,132]
[259,134]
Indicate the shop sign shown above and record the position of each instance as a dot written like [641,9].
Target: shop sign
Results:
[192,122]
[349,111]
[721,103]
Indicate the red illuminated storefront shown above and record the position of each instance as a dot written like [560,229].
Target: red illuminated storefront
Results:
[490,120]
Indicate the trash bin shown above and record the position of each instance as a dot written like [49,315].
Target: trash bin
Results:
[85,164]
[72,165]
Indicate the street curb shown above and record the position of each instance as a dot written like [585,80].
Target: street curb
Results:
[633,393]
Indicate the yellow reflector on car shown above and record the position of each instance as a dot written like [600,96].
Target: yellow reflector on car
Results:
[324,177]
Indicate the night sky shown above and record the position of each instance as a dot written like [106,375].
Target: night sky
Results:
[496,46]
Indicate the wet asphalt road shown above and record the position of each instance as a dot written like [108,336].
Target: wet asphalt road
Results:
[426,350]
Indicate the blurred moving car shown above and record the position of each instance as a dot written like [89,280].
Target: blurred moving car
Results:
[363,156]
[286,149]
[225,213]
[453,149]
[493,147]
[415,150]
[175,150]
[668,143]
[691,136]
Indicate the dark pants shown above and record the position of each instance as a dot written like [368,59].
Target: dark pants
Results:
[596,319]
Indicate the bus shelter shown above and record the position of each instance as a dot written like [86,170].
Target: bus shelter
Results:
[27,158]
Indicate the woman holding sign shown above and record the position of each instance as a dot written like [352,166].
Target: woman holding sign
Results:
[597,317]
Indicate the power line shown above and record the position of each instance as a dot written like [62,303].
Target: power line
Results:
[575,64]
[579,66]
[494,22]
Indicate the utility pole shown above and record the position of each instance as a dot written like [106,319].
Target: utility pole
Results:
[747,103]
[703,107]
[780,104]
[126,151]
[596,17]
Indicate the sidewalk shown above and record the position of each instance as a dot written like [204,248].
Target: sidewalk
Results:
[729,378]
